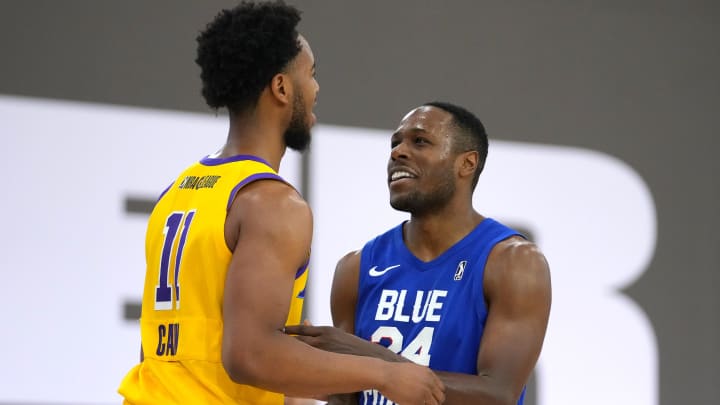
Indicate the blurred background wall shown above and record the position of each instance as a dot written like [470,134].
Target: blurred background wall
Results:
[635,80]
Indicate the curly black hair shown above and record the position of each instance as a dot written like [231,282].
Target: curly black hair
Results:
[242,49]
[471,135]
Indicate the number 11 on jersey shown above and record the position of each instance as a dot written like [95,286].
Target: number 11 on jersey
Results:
[164,291]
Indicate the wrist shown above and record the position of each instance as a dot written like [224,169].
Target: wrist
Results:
[384,376]
[386,354]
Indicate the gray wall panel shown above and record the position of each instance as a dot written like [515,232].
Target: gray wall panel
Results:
[637,80]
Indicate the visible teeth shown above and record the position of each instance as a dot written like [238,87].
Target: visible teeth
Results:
[400,175]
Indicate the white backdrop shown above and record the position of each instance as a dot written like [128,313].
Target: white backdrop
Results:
[71,255]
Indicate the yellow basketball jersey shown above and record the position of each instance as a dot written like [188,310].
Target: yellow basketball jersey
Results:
[187,261]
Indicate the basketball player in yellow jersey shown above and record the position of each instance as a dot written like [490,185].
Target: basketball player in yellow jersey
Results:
[227,243]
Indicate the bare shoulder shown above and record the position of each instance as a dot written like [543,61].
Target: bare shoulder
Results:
[270,195]
[350,263]
[267,205]
[518,250]
[345,280]
[516,263]
[344,292]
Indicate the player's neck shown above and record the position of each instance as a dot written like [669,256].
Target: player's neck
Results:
[430,235]
[250,134]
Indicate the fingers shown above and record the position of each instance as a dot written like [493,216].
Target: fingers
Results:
[304,330]
[306,339]
[300,333]
[438,391]
[299,327]
[438,396]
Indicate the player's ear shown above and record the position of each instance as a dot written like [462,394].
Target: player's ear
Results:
[281,88]
[468,163]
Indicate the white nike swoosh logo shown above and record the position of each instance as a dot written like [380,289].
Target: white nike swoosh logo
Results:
[375,273]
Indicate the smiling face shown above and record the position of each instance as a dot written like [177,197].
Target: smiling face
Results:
[421,169]
[302,70]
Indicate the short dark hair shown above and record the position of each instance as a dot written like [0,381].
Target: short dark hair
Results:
[241,50]
[471,134]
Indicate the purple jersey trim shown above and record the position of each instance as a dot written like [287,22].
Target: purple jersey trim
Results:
[250,179]
[302,269]
[165,191]
[208,161]
[299,273]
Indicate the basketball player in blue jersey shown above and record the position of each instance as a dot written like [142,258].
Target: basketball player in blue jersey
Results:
[450,288]
[234,238]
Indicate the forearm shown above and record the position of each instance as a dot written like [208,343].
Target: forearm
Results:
[280,363]
[377,351]
[329,339]
[461,389]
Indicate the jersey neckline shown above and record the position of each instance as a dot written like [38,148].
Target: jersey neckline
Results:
[211,161]
[449,253]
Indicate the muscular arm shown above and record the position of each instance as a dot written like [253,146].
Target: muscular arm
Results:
[518,294]
[273,241]
[343,301]
[517,290]
[275,230]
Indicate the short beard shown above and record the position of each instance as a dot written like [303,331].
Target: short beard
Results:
[297,135]
[419,204]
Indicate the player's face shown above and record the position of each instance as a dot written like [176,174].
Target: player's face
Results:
[421,173]
[297,135]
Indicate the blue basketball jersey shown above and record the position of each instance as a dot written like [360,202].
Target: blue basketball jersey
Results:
[432,313]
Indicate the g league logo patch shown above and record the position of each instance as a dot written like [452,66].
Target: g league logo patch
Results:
[460,270]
